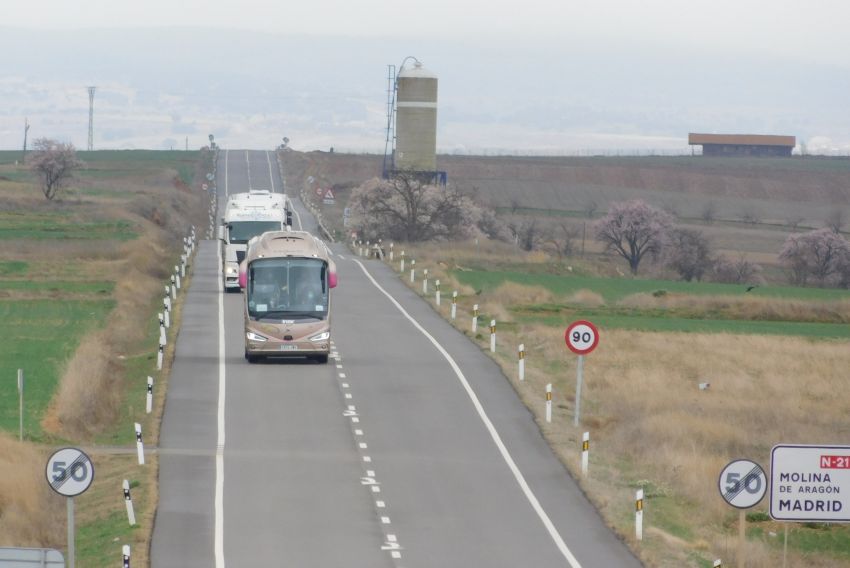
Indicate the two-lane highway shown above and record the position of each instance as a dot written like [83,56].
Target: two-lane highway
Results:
[408,449]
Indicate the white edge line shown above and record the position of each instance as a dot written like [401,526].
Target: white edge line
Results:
[494,434]
[271,176]
[219,453]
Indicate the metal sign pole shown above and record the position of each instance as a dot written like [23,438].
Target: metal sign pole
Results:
[21,401]
[580,372]
[71,546]
[742,537]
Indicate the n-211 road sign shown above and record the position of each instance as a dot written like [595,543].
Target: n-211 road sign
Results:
[742,483]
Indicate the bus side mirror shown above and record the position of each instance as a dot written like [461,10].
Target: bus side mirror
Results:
[243,275]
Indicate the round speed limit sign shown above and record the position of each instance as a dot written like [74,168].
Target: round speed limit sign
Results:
[742,483]
[69,472]
[582,337]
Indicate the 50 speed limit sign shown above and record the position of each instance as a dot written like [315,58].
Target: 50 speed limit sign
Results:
[582,337]
[69,472]
[742,483]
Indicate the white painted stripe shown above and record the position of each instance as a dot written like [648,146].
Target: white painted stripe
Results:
[494,434]
[355,419]
[385,520]
[363,445]
[219,454]
[415,104]
[376,489]
[341,375]
[358,432]
[345,385]
[370,473]
[395,554]
[367,459]
[271,176]
[348,395]
[380,504]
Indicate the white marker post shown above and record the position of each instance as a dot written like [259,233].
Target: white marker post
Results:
[401,268]
[474,318]
[177,278]
[149,396]
[639,514]
[128,501]
[412,271]
[437,284]
[585,452]
[159,355]
[21,402]
[173,289]
[718,563]
[492,336]
[125,556]
[391,252]
[521,355]
[140,447]
[163,339]
[166,311]
[425,283]
[454,304]
[549,402]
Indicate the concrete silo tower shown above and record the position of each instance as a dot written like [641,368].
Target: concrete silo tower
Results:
[416,119]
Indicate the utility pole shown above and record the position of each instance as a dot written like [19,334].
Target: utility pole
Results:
[26,131]
[91,118]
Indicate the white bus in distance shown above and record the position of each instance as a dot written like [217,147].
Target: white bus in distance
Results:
[287,277]
[247,215]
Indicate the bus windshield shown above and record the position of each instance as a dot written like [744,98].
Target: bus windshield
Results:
[288,288]
[240,232]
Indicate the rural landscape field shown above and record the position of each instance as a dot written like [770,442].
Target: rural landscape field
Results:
[773,355]
[81,280]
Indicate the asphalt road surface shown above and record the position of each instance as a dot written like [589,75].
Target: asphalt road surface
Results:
[408,449]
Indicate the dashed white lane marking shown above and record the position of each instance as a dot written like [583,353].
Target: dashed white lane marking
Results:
[345,385]
[341,257]
[362,445]
[358,432]
[385,520]
[380,504]
[348,395]
[494,434]
[376,489]
[271,176]
[339,366]
[342,375]
[367,459]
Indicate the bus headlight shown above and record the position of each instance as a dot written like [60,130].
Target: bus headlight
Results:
[255,337]
[232,270]
[321,337]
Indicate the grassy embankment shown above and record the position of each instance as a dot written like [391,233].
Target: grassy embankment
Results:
[776,359]
[80,284]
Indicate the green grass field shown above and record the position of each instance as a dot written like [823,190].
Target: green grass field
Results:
[20,225]
[39,336]
[615,289]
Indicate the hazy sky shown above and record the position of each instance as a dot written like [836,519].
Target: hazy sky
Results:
[536,75]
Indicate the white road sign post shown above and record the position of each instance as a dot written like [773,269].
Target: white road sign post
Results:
[581,337]
[69,473]
[742,484]
[810,483]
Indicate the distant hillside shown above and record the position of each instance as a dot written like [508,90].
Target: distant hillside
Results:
[770,190]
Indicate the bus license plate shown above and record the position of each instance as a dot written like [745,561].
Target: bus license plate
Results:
[288,347]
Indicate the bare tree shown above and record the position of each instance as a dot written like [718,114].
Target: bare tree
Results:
[590,208]
[794,221]
[820,254]
[836,220]
[527,234]
[54,163]
[740,271]
[632,229]
[709,212]
[560,240]
[688,252]
[408,208]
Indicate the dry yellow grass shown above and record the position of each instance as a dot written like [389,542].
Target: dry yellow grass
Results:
[651,425]
[31,514]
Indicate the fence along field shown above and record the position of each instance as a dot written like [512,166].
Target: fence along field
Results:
[81,280]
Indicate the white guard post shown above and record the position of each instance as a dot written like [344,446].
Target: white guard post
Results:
[639,514]
[412,271]
[585,452]
[128,501]
[391,252]
[401,267]
[149,396]
[475,318]
[437,285]
[521,355]
[549,402]
[125,556]
[159,355]
[454,304]
[425,283]
[492,336]
[140,447]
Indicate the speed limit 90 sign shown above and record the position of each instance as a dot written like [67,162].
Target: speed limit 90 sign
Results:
[581,337]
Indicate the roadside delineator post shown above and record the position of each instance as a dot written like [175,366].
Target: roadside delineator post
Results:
[412,271]
[549,402]
[401,267]
[521,355]
[391,252]
[639,514]
[159,355]
[177,278]
[585,452]
[492,336]
[149,396]
[425,282]
[125,556]
[454,304]
[173,289]
[717,563]
[140,447]
[474,318]
[162,337]
[128,501]
[437,285]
